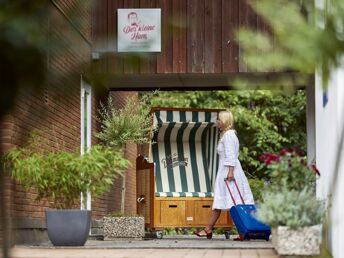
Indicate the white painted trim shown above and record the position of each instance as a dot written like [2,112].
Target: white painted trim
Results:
[85,92]
[311,128]
[86,88]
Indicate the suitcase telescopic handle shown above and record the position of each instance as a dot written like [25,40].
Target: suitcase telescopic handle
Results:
[230,192]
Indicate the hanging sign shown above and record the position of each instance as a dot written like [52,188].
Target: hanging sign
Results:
[139,30]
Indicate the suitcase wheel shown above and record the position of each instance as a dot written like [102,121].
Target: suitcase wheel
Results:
[227,234]
[159,234]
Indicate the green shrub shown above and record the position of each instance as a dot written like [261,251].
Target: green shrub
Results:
[130,123]
[63,175]
[218,231]
[266,120]
[291,208]
[169,231]
[289,169]
[234,230]
[257,188]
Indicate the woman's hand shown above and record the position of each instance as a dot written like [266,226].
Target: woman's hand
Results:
[230,177]
[230,174]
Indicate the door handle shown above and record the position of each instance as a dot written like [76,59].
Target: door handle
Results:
[140,199]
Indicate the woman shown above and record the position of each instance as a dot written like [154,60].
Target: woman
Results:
[229,168]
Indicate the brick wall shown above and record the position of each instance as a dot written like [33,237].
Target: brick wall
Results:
[119,99]
[130,181]
[111,202]
[55,107]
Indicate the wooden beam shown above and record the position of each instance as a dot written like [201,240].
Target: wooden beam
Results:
[201,81]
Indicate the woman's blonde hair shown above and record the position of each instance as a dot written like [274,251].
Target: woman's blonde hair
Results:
[226,117]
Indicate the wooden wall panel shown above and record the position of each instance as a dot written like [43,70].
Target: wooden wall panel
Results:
[213,37]
[148,60]
[115,62]
[164,59]
[100,33]
[247,19]
[195,36]
[230,24]
[252,24]
[243,23]
[198,36]
[99,26]
[179,36]
[131,63]
[264,28]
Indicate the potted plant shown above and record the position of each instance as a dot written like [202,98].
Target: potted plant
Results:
[295,218]
[289,203]
[119,126]
[61,176]
[119,225]
[130,123]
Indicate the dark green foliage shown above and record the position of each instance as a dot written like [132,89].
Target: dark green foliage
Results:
[22,65]
[21,48]
[257,187]
[306,37]
[265,120]
[288,169]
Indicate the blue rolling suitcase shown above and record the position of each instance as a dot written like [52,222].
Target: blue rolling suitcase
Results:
[242,215]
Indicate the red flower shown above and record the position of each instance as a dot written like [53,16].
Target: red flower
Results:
[298,151]
[269,157]
[268,161]
[284,151]
[262,157]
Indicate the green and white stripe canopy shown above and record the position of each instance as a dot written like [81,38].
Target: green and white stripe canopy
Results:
[184,151]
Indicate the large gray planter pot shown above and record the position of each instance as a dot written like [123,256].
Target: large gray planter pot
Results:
[68,227]
[300,241]
[123,227]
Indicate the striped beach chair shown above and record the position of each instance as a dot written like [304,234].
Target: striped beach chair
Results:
[184,162]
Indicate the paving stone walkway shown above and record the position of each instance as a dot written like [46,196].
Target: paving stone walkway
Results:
[26,252]
[168,247]
[177,242]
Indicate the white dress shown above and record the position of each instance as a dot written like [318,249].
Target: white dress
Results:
[228,150]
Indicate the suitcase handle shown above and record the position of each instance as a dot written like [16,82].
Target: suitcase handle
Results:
[230,192]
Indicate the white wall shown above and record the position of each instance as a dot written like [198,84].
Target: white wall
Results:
[329,124]
[311,147]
